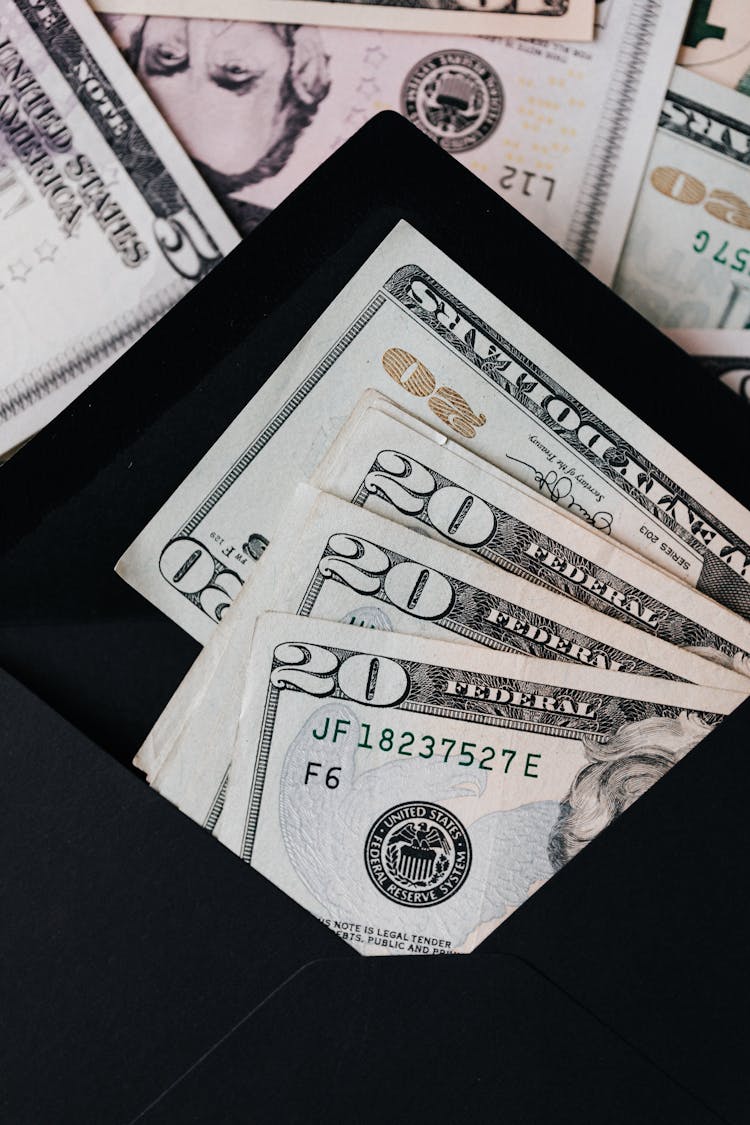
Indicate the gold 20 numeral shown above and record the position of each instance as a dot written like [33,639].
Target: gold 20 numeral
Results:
[449,406]
[684,188]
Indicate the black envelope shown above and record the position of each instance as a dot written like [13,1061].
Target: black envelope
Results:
[147,974]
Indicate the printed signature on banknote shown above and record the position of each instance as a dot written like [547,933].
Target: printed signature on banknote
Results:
[559,487]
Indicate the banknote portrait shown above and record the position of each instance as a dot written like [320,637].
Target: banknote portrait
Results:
[238,95]
[618,772]
[422,851]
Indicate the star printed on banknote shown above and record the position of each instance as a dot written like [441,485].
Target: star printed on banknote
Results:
[105,222]
[560,130]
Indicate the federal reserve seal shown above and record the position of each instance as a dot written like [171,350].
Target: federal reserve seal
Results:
[454,97]
[417,854]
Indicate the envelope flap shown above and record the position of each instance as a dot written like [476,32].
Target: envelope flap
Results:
[647,926]
[447,1039]
[130,940]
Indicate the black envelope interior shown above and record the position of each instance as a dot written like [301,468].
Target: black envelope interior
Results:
[151,976]
[135,941]
[549,1059]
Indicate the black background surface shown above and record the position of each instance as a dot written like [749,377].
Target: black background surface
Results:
[134,944]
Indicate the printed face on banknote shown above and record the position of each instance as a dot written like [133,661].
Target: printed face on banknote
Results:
[470,508]
[412,794]
[560,130]
[237,94]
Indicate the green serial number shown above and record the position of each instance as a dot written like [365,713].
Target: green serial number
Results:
[721,251]
[411,745]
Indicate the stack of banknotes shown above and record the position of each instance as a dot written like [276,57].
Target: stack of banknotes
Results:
[460,608]
[573,111]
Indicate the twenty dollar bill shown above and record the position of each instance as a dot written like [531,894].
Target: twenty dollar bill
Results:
[412,793]
[686,261]
[412,321]
[339,562]
[394,465]
[390,463]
